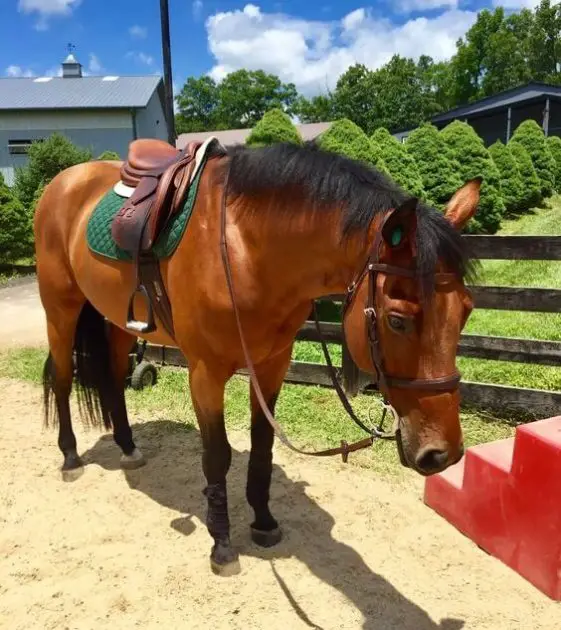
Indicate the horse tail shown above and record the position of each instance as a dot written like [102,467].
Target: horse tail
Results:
[92,371]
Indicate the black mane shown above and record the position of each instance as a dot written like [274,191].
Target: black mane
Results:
[329,180]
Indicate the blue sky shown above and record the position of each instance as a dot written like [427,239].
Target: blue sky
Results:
[309,42]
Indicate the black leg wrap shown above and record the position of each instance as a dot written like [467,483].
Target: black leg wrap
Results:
[217,519]
[223,559]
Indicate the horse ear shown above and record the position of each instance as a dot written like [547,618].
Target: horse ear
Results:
[400,223]
[463,205]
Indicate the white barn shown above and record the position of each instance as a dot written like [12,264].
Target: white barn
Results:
[103,113]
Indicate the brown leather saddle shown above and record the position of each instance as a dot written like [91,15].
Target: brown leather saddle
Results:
[160,176]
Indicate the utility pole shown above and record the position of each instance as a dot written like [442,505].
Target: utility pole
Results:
[168,82]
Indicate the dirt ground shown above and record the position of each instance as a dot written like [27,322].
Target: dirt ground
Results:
[21,314]
[119,549]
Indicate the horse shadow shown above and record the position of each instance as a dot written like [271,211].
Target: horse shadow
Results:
[172,480]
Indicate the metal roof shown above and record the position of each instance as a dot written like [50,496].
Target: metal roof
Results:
[228,137]
[77,93]
[509,98]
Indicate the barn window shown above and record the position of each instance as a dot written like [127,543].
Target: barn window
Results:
[19,146]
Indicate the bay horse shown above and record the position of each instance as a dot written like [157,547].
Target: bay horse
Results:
[300,223]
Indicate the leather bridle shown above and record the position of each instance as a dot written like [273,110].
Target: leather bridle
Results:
[372,268]
[385,381]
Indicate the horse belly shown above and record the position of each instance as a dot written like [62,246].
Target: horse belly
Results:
[108,286]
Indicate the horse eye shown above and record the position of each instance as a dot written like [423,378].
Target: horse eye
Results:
[396,323]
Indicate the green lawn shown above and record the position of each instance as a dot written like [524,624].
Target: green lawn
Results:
[311,416]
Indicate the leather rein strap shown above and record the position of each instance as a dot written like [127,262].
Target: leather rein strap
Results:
[372,268]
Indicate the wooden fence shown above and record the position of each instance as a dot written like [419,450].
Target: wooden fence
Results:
[540,403]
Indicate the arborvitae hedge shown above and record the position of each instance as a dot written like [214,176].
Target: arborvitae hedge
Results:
[511,182]
[475,161]
[275,126]
[531,136]
[401,165]
[348,139]
[531,188]
[439,174]
[554,144]
[109,155]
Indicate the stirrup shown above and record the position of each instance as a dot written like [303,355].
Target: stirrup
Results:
[134,324]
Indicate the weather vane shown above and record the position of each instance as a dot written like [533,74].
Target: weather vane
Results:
[70,47]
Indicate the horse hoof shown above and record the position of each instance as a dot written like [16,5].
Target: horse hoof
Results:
[72,474]
[225,570]
[266,539]
[224,561]
[133,461]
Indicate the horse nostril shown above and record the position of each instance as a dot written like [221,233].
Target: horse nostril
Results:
[431,460]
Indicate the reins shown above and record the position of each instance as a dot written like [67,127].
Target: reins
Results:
[371,268]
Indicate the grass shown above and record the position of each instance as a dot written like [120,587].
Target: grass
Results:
[10,270]
[311,416]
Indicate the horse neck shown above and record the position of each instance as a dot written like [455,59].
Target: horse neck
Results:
[303,250]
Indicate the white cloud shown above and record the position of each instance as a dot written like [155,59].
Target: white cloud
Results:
[55,71]
[516,4]
[354,19]
[18,71]
[138,32]
[94,65]
[408,6]
[197,7]
[140,57]
[313,53]
[46,9]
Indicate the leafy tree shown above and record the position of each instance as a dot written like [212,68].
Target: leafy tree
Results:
[245,96]
[353,96]
[317,109]
[400,94]
[554,144]
[275,126]
[467,148]
[239,101]
[435,81]
[492,56]
[15,226]
[47,158]
[510,179]
[348,139]
[197,104]
[531,188]
[531,136]
[544,38]
[439,173]
[109,155]
[400,164]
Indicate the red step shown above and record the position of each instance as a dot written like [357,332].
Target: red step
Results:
[506,497]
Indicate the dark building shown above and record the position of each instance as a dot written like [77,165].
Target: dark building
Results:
[496,117]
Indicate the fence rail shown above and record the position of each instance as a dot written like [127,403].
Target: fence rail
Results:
[492,396]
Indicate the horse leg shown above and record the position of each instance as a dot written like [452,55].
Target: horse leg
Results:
[58,377]
[121,343]
[265,531]
[207,394]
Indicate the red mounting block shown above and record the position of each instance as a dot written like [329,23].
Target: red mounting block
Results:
[506,497]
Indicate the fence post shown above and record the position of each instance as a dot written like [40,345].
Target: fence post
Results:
[351,373]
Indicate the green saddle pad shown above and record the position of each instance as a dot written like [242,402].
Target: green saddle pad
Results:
[99,236]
